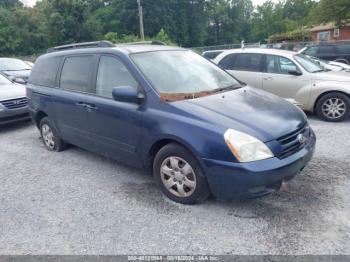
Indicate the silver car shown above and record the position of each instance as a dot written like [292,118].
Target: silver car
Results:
[293,76]
[13,102]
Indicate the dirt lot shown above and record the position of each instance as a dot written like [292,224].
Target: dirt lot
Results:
[76,202]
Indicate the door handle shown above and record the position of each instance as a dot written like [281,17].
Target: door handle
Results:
[268,78]
[91,107]
[82,104]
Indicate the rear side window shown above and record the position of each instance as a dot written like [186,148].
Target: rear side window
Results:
[44,71]
[327,49]
[76,74]
[228,62]
[112,73]
[343,49]
[248,62]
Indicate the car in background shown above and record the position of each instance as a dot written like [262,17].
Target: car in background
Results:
[338,52]
[293,76]
[13,101]
[15,69]
[30,63]
[210,55]
[170,110]
[331,65]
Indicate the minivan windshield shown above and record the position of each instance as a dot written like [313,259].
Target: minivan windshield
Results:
[308,64]
[183,74]
[12,64]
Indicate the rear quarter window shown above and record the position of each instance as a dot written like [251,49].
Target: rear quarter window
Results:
[45,71]
[248,62]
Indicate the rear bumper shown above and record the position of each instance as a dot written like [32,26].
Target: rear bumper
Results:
[231,180]
[13,115]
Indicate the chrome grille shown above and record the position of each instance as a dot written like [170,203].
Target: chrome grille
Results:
[294,141]
[15,103]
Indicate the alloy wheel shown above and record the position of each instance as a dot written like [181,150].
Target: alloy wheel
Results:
[334,108]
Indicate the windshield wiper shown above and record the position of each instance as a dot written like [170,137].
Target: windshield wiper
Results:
[321,70]
[227,88]
[13,70]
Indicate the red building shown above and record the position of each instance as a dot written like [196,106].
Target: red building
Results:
[329,32]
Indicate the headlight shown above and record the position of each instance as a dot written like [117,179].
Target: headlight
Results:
[246,148]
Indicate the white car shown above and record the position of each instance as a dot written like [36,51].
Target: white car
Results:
[13,102]
[292,76]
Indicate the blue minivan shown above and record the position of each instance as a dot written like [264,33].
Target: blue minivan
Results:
[167,108]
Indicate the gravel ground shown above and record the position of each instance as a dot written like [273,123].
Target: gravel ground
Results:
[76,202]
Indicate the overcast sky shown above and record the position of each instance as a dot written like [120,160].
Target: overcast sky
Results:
[255,2]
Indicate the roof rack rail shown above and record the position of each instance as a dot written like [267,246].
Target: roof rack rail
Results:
[103,43]
[153,42]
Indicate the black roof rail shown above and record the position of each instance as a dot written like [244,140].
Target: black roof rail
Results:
[153,42]
[103,43]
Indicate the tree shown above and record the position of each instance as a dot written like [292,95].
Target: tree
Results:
[188,23]
[337,11]
[267,20]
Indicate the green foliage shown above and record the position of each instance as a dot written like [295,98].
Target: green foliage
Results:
[295,35]
[188,23]
[337,11]
[163,37]
[114,38]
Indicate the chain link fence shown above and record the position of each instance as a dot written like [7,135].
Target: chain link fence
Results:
[292,46]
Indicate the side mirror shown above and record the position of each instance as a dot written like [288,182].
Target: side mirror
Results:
[127,94]
[295,73]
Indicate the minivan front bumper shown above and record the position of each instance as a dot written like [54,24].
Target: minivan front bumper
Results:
[229,180]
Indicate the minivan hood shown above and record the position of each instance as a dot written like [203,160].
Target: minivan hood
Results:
[332,76]
[248,110]
[11,91]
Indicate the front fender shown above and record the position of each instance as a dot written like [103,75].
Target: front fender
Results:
[302,97]
[321,88]
[201,138]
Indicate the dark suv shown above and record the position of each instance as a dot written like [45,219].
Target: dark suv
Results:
[339,52]
[170,109]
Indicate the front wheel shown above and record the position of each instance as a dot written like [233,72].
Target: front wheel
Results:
[333,107]
[342,60]
[179,175]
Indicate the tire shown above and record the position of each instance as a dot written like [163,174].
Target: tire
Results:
[179,175]
[342,60]
[50,136]
[333,107]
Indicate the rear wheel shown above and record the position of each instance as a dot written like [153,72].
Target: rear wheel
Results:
[50,136]
[179,175]
[333,107]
